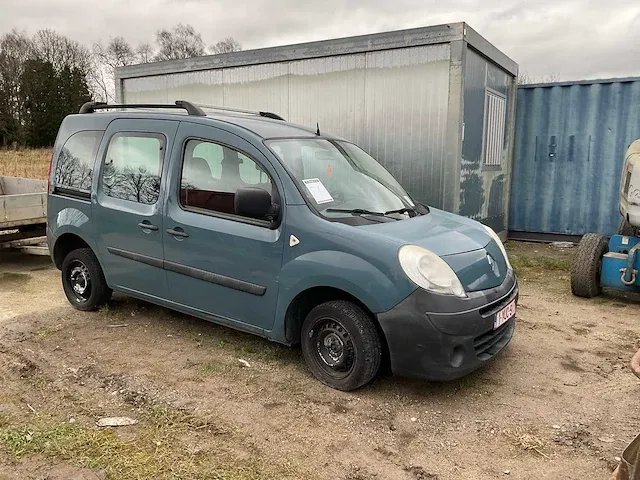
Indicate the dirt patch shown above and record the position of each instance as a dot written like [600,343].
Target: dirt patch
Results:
[557,403]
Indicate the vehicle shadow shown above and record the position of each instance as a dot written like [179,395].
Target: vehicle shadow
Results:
[240,344]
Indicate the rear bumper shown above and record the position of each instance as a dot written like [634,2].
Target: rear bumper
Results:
[447,345]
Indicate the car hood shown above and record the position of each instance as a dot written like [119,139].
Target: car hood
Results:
[463,243]
[441,232]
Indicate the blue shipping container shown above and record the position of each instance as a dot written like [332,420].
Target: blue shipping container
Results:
[569,148]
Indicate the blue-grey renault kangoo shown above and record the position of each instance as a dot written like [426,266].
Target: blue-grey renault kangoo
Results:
[251,222]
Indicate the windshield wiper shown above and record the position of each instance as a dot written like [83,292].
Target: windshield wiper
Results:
[417,210]
[402,210]
[355,211]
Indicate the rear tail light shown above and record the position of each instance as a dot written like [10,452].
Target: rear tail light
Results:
[49,181]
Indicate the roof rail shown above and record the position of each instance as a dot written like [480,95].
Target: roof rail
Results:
[274,116]
[191,109]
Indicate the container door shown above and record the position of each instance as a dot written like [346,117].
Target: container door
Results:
[128,204]
[219,263]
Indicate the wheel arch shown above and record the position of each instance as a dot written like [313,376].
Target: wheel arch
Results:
[308,299]
[66,243]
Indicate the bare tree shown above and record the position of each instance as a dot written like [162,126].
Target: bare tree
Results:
[144,53]
[227,45]
[181,42]
[524,78]
[551,78]
[61,51]
[117,53]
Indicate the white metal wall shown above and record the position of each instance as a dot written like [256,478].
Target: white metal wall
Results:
[392,103]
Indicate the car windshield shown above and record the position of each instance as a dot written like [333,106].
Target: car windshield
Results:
[340,179]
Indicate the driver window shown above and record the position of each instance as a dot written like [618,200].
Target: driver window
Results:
[212,173]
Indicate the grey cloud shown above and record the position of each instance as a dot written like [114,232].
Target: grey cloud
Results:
[570,38]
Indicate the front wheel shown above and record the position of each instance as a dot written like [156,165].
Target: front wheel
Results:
[587,265]
[341,345]
[83,280]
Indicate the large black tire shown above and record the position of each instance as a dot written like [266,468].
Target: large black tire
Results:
[341,345]
[625,228]
[587,265]
[83,280]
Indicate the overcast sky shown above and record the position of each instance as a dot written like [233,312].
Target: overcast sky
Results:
[573,39]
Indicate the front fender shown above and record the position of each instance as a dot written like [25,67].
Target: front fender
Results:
[343,271]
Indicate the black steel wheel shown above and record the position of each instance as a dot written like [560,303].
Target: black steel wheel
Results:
[587,265]
[341,345]
[83,280]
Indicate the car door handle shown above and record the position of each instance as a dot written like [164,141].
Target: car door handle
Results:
[147,226]
[177,233]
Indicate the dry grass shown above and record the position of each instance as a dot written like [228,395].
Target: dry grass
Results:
[156,450]
[28,163]
[527,440]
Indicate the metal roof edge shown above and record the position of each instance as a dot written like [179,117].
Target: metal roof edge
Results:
[340,46]
[490,51]
[569,83]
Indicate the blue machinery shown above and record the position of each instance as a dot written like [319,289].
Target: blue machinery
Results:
[609,263]
[620,265]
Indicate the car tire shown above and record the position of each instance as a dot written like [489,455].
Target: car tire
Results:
[83,280]
[587,265]
[341,345]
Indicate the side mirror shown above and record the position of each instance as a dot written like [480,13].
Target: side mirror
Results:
[253,202]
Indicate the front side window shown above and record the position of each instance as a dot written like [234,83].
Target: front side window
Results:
[338,177]
[213,173]
[74,167]
[133,166]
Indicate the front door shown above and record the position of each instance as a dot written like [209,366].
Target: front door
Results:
[219,263]
[128,204]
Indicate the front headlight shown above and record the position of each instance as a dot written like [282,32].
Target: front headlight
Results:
[495,236]
[429,271]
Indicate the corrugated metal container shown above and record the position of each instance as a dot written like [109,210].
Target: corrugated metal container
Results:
[434,105]
[570,143]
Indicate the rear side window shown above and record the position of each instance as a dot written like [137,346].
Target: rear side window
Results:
[132,167]
[74,167]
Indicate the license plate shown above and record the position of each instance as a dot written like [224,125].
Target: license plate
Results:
[504,315]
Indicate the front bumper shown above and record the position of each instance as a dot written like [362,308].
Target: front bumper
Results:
[443,338]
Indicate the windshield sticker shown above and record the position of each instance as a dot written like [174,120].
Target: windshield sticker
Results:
[317,190]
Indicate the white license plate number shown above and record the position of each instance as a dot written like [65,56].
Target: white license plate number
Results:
[504,315]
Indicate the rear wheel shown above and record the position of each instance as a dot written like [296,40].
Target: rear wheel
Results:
[341,345]
[587,265]
[83,280]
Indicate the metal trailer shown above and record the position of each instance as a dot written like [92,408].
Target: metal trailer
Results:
[23,214]
[435,105]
